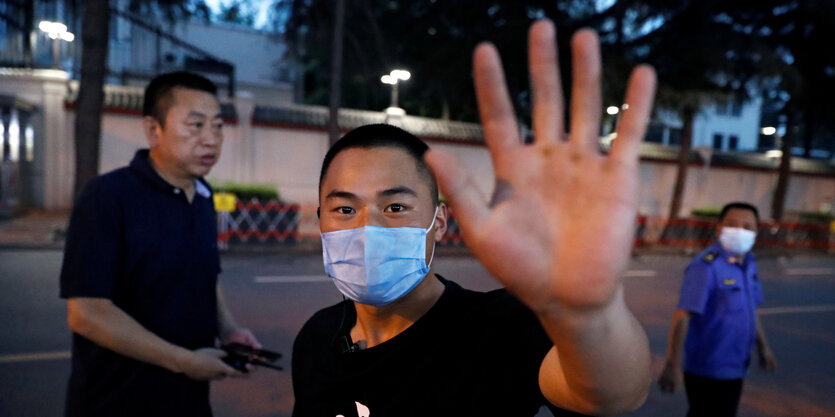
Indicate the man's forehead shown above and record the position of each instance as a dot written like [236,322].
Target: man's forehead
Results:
[739,214]
[381,167]
[194,101]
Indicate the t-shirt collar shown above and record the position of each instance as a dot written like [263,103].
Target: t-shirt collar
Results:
[141,163]
[729,257]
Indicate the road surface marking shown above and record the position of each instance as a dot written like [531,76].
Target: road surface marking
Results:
[810,271]
[289,279]
[641,273]
[797,309]
[33,357]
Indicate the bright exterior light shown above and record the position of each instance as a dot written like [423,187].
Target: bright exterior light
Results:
[56,30]
[769,130]
[613,110]
[396,76]
[774,154]
[401,74]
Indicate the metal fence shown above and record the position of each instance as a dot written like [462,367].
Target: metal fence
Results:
[694,233]
[254,222]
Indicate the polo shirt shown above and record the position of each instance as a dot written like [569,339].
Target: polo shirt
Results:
[135,239]
[722,291]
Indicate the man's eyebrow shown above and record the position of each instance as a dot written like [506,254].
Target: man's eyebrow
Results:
[401,189]
[195,113]
[340,194]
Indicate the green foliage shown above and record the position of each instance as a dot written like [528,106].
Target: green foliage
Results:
[245,192]
[432,39]
[708,211]
[816,217]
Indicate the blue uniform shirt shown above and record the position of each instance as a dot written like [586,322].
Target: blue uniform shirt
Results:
[722,292]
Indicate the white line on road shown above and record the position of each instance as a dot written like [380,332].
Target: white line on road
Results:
[32,357]
[797,309]
[810,271]
[289,279]
[641,273]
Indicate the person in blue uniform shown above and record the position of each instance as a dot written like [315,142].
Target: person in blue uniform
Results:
[556,235]
[141,265]
[716,324]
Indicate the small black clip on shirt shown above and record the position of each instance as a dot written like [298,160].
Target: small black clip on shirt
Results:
[238,356]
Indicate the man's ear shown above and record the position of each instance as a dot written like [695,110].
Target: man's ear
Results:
[152,130]
[441,222]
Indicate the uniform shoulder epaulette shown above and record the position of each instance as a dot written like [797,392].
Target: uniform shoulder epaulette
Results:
[710,257]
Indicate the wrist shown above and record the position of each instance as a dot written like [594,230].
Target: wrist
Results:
[180,360]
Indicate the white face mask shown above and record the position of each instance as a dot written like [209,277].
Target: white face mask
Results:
[376,265]
[737,240]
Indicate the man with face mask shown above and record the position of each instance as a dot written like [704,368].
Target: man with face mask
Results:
[409,342]
[717,324]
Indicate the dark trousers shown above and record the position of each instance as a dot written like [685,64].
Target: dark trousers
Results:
[712,397]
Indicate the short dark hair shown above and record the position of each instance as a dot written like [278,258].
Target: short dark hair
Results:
[157,100]
[383,136]
[739,205]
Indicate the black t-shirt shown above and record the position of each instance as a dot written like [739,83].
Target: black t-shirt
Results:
[471,354]
[136,240]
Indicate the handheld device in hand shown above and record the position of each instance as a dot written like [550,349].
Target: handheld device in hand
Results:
[238,356]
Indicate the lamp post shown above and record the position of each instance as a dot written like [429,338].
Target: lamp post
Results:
[394,79]
[57,32]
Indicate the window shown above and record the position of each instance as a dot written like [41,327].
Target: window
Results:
[675,136]
[733,142]
[717,141]
[655,133]
[736,107]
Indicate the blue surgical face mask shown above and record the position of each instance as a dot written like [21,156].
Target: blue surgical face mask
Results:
[376,265]
[736,239]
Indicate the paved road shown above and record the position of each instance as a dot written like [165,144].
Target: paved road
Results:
[275,293]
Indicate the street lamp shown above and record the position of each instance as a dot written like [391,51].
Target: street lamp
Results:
[769,130]
[57,32]
[393,79]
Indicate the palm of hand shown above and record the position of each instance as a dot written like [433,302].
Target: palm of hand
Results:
[565,229]
[558,231]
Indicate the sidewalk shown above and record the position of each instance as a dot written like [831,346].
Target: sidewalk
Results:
[37,229]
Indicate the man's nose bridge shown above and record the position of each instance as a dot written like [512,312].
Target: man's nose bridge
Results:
[371,217]
[208,137]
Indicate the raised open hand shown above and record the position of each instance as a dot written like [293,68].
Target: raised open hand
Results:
[559,228]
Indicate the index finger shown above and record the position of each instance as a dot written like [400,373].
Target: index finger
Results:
[495,108]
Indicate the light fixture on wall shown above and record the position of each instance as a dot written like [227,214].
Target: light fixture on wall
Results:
[57,32]
[393,79]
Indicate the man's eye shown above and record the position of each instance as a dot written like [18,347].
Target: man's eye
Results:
[217,126]
[196,125]
[344,210]
[394,208]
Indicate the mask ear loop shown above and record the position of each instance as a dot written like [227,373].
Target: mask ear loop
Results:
[434,244]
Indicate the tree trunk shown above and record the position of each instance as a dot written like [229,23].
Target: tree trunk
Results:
[779,201]
[88,106]
[683,160]
[336,72]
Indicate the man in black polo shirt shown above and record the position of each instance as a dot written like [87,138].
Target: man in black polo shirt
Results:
[557,235]
[141,264]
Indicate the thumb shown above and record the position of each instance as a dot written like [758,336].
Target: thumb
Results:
[217,353]
[467,203]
